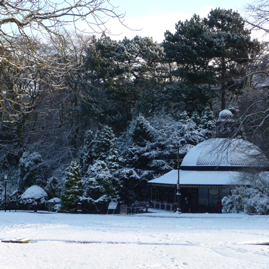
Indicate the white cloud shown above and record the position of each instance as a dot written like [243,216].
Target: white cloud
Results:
[151,26]
[205,10]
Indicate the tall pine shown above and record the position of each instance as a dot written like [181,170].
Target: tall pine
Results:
[214,51]
[72,188]
[99,184]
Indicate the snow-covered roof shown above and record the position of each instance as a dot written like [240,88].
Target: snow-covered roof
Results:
[225,152]
[216,161]
[198,178]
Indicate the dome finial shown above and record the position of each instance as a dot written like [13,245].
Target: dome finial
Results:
[226,115]
[225,124]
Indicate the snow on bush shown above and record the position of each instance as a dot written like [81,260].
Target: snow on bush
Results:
[32,171]
[57,204]
[247,199]
[232,203]
[32,194]
[55,200]
[29,159]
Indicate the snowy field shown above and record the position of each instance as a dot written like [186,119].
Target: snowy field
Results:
[152,240]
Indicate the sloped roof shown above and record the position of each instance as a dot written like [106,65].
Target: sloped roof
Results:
[197,178]
[216,161]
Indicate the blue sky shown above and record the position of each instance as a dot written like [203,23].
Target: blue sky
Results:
[154,17]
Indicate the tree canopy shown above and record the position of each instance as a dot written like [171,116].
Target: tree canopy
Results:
[115,75]
[213,51]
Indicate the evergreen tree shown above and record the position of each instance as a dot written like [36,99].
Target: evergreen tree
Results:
[207,119]
[52,188]
[131,188]
[149,102]
[234,49]
[102,143]
[100,158]
[116,74]
[211,51]
[173,99]
[99,184]
[196,117]
[145,60]
[113,159]
[72,189]
[85,152]
[105,87]
[191,47]
[157,154]
[96,147]
[142,131]
[32,171]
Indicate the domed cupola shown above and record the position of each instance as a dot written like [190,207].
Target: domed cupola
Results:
[224,154]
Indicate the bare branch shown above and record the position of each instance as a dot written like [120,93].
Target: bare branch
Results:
[33,50]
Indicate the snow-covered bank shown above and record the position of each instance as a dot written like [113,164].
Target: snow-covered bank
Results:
[154,240]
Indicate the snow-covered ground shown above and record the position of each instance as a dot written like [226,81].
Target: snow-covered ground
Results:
[153,240]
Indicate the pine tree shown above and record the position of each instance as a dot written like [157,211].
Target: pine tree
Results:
[85,154]
[234,49]
[142,131]
[72,188]
[191,48]
[207,119]
[113,159]
[115,76]
[32,171]
[103,141]
[211,51]
[52,188]
[158,152]
[99,184]
[96,147]
[196,117]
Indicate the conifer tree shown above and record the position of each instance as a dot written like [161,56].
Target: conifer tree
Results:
[142,131]
[96,147]
[99,184]
[113,159]
[100,157]
[85,152]
[103,141]
[32,171]
[234,49]
[116,74]
[196,117]
[191,48]
[52,188]
[72,188]
[207,119]
[212,51]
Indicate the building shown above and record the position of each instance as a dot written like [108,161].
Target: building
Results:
[209,170]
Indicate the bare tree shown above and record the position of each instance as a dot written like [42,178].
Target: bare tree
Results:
[258,17]
[26,28]
[253,103]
